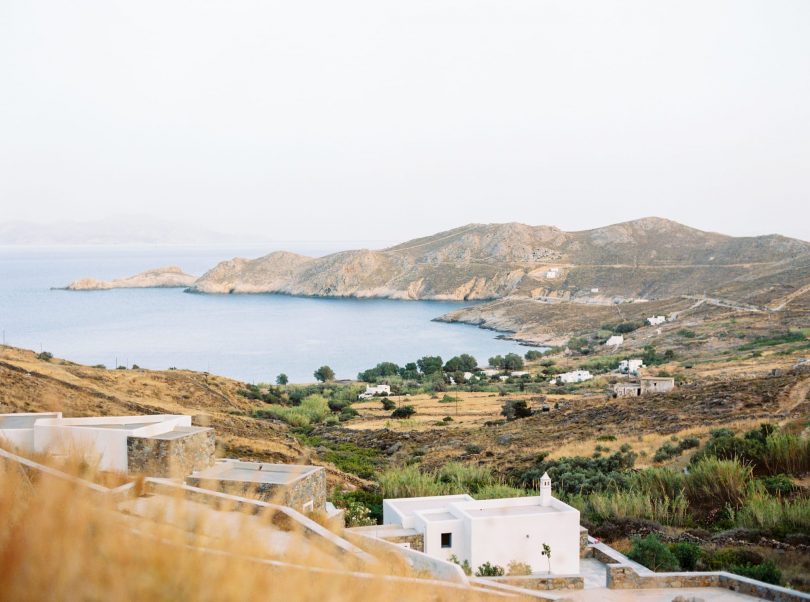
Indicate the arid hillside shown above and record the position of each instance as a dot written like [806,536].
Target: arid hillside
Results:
[650,258]
[29,384]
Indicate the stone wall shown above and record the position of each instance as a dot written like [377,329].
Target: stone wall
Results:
[416,541]
[541,582]
[620,576]
[296,495]
[584,547]
[173,455]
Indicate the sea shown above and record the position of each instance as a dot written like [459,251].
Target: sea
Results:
[247,337]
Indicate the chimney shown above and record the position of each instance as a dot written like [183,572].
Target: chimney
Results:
[545,490]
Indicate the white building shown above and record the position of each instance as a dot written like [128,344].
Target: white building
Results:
[552,273]
[518,373]
[615,341]
[490,372]
[631,366]
[376,390]
[576,376]
[656,320]
[113,443]
[496,531]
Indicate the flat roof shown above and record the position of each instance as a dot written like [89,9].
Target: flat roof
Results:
[177,432]
[409,505]
[438,516]
[508,511]
[24,421]
[255,472]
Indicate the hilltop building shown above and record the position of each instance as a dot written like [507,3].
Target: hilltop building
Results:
[497,531]
[646,385]
[656,320]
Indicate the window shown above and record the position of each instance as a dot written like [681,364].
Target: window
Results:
[447,540]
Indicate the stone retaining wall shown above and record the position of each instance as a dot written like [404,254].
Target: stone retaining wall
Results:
[620,576]
[171,457]
[542,582]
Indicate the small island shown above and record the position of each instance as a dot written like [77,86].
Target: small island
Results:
[165,277]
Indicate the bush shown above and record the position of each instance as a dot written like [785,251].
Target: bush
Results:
[779,484]
[515,568]
[532,355]
[767,572]
[403,412]
[387,404]
[580,475]
[658,483]
[45,356]
[653,554]
[463,478]
[516,408]
[358,515]
[489,570]
[687,555]
[786,453]
[313,409]
[465,566]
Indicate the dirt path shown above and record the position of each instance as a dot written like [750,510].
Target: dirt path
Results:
[797,396]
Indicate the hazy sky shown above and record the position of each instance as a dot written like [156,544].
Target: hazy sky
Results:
[373,119]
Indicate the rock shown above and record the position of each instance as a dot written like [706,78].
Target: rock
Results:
[394,448]
[504,440]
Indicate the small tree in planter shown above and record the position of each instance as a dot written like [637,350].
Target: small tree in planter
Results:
[547,553]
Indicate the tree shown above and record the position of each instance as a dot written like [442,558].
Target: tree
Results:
[512,361]
[516,408]
[533,354]
[324,373]
[403,412]
[653,554]
[497,361]
[461,363]
[547,553]
[430,364]
[282,379]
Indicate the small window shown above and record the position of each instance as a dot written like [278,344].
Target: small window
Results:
[447,540]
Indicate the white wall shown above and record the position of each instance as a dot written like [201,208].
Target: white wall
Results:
[502,539]
[433,530]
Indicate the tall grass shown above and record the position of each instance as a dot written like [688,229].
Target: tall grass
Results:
[464,478]
[713,483]
[658,483]
[633,504]
[409,481]
[58,541]
[313,409]
[762,511]
[786,453]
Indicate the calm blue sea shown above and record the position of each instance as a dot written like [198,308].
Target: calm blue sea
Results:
[249,337]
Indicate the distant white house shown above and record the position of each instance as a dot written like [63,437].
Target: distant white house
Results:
[552,273]
[490,372]
[631,366]
[615,341]
[496,531]
[656,320]
[378,390]
[518,373]
[595,290]
[576,376]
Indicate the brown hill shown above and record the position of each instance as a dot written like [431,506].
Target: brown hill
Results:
[647,258]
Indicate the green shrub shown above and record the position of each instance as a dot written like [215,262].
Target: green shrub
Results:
[313,409]
[580,475]
[687,555]
[767,572]
[45,356]
[348,457]
[779,484]
[387,404]
[786,453]
[465,566]
[489,570]
[403,412]
[653,554]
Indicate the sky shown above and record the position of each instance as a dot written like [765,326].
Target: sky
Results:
[360,120]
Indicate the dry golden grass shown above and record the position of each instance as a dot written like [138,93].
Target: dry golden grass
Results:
[59,541]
